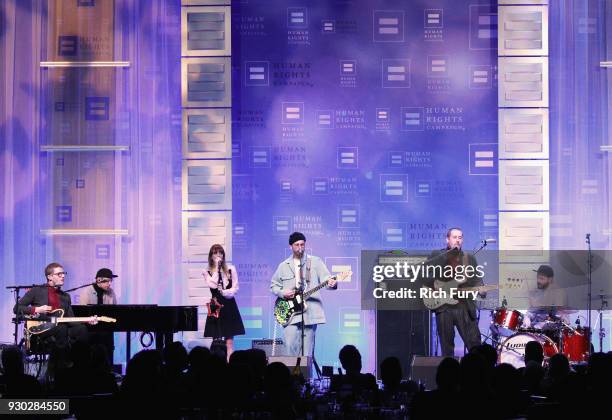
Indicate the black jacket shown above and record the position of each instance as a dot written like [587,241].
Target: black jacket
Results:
[442,258]
[39,296]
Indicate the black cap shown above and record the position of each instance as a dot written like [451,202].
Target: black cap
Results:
[105,273]
[545,270]
[296,236]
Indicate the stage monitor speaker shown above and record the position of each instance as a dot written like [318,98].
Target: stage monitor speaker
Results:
[423,370]
[402,334]
[265,344]
[291,362]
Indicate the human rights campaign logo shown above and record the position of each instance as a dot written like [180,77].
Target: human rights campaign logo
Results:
[297,18]
[393,188]
[396,73]
[67,46]
[483,27]
[388,25]
[293,112]
[257,73]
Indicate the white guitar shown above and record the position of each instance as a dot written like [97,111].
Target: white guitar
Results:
[447,298]
[56,317]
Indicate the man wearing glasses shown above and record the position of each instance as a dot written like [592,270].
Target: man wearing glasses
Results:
[101,292]
[40,300]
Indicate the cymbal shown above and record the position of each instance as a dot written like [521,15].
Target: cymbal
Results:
[553,309]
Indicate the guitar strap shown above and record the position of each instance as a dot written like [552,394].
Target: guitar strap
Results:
[307,279]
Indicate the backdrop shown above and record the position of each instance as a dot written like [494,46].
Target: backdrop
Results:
[364,124]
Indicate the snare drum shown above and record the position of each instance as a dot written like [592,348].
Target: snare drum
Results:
[512,350]
[508,319]
[576,344]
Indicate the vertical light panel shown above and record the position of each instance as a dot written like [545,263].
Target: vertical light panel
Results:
[205,31]
[523,133]
[206,138]
[524,185]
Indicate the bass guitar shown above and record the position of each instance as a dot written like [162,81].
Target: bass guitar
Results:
[444,296]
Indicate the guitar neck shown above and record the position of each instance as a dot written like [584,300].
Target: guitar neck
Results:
[75,319]
[314,289]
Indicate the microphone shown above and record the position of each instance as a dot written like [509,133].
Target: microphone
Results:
[489,241]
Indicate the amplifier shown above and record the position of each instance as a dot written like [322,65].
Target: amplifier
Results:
[265,344]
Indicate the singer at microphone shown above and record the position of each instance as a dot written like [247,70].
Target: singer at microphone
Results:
[461,314]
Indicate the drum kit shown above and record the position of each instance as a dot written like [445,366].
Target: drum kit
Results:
[514,331]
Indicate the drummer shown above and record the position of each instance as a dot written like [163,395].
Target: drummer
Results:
[547,301]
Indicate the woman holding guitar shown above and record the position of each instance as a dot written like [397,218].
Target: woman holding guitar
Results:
[223,321]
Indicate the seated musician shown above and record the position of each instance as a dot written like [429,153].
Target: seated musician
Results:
[39,301]
[548,302]
[101,293]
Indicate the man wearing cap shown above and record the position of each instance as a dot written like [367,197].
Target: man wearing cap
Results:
[547,300]
[301,272]
[101,292]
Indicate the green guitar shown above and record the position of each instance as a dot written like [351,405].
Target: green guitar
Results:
[286,309]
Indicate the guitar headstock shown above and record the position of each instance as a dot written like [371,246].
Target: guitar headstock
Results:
[343,275]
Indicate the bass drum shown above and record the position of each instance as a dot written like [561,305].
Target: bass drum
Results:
[512,350]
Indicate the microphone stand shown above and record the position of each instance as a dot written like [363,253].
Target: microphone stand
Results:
[79,287]
[590,282]
[16,320]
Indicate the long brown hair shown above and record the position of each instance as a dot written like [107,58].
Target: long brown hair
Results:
[213,249]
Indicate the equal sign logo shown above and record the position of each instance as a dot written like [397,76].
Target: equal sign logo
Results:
[351,321]
[348,67]
[388,26]
[348,217]
[396,73]
[293,113]
[67,46]
[483,27]
[260,157]
[320,186]
[257,73]
[297,18]
[393,234]
[252,317]
[97,108]
[282,225]
[423,188]
[480,77]
[393,188]
[285,186]
[239,229]
[433,18]
[236,149]
[488,220]
[348,157]
[328,26]
[483,159]
[63,213]
[80,183]
[382,115]
[589,187]
[396,159]
[437,66]
[412,119]
[103,251]
[325,119]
